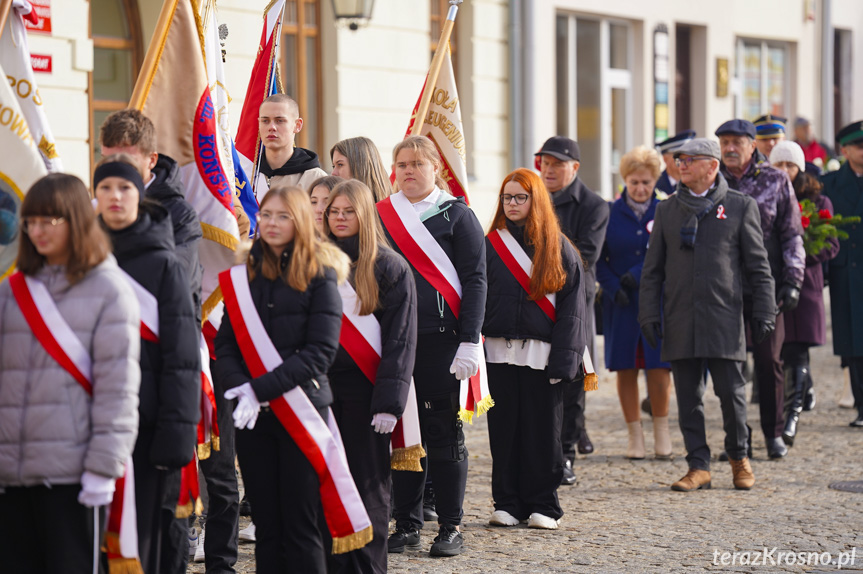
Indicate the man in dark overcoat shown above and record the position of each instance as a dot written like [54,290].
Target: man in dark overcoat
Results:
[706,239]
[583,217]
[845,189]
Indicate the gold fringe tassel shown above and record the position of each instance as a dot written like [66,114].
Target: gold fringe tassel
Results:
[407,458]
[352,541]
[217,445]
[591,382]
[482,407]
[124,566]
[204,451]
[185,510]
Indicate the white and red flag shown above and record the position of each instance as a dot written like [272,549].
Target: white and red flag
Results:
[15,61]
[263,83]
[174,91]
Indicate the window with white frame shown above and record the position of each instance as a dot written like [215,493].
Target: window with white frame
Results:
[763,70]
[594,94]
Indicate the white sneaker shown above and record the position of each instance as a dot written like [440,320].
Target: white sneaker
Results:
[193,540]
[199,551]
[248,534]
[502,518]
[538,520]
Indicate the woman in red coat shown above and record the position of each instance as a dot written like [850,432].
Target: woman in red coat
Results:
[805,326]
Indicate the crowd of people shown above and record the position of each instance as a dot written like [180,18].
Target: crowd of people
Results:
[362,309]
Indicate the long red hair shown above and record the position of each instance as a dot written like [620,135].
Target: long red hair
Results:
[542,231]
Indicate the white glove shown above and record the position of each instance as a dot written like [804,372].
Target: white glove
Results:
[96,490]
[554,381]
[384,423]
[246,413]
[466,361]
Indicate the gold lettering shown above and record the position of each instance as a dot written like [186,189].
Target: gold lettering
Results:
[5,116]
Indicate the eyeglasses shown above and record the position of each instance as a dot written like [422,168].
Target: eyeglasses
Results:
[31,223]
[520,199]
[279,217]
[336,213]
[688,160]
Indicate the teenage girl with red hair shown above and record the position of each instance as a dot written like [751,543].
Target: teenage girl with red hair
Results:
[535,337]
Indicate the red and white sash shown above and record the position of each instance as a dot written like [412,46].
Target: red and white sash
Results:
[60,342]
[426,255]
[361,338]
[149,310]
[519,264]
[320,442]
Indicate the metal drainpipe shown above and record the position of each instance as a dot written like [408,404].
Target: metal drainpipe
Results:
[828,130]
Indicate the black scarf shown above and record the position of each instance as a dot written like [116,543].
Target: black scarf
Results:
[697,207]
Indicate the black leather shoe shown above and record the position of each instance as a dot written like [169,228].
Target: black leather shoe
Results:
[790,432]
[858,422]
[245,507]
[429,510]
[403,538]
[568,476]
[584,444]
[776,447]
[448,542]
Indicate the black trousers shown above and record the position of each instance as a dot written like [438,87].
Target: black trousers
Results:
[855,366]
[442,434]
[368,454]
[45,530]
[770,377]
[728,384]
[223,497]
[524,435]
[163,540]
[574,398]
[283,490]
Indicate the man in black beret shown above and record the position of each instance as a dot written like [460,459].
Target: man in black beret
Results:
[583,218]
[748,171]
[667,182]
[845,189]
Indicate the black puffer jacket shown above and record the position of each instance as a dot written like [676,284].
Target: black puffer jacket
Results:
[509,314]
[304,327]
[168,191]
[457,230]
[170,369]
[397,315]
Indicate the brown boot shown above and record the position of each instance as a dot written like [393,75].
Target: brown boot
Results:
[743,477]
[693,480]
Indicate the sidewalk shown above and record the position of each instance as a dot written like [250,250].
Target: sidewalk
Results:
[623,517]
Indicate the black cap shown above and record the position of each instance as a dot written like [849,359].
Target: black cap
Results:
[674,142]
[850,134]
[737,128]
[769,126]
[560,147]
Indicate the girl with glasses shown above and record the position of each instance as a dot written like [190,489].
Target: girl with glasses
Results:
[367,409]
[319,192]
[68,426]
[535,337]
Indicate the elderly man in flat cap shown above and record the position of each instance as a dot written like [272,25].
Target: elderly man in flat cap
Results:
[706,242]
[747,170]
[667,182]
[845,189]
[583,219]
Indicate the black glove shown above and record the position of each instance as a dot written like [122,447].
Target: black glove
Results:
[762,329]
[788,297]
[652,333]
[621,299]
[627,281]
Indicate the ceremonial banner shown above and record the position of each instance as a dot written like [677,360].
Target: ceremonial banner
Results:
[263,83]
[15,61]
[21,167]
[174,91]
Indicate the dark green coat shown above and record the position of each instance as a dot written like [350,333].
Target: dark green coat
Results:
[701,305]
[845,190]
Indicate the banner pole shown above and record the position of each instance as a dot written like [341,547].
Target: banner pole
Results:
[434,69]
[5,8]
[157,43]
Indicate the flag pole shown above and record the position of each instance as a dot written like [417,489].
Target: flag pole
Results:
[157,43]
[436,63]
[5,7]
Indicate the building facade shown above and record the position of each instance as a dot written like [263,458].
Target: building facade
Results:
[611,75]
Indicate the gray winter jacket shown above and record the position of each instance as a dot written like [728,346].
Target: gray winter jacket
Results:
[51,429]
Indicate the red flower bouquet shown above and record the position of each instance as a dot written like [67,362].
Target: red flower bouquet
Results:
[819,226]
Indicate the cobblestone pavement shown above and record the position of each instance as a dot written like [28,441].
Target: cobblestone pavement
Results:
[623,517]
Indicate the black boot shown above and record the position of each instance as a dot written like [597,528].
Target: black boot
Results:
[809,395]
[792,416]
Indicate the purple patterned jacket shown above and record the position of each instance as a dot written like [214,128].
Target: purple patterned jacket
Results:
[780,217]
